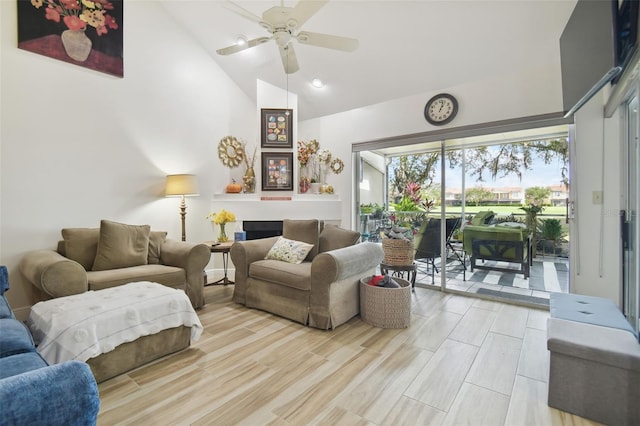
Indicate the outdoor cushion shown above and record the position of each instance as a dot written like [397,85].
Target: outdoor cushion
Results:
[493,233]
[121,245]
[482,217]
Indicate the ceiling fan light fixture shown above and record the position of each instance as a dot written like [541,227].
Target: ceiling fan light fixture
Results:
[317,83]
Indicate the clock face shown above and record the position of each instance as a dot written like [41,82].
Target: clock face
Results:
[441,109]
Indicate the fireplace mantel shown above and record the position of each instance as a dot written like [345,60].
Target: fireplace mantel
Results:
[327,207]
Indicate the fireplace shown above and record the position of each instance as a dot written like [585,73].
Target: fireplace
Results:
[256,229]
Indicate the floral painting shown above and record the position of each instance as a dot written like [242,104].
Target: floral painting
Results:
[82,32]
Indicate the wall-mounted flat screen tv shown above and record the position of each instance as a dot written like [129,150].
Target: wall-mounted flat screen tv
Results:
[626,30]
[587,52]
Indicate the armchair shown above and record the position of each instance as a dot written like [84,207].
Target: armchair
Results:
[322,291]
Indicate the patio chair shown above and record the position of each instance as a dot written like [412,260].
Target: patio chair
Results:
[427,242]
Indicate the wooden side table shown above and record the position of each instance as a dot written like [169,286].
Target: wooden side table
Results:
[223,248]
[399,271]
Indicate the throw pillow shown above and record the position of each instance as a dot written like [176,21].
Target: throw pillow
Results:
[121,246]
[290,251]
[81,245]
[333,237]
[302,230]
[482,217]
[156,238]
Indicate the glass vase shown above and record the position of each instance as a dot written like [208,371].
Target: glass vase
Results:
[222,237]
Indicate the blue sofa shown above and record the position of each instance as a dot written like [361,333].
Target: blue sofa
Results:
[33,392]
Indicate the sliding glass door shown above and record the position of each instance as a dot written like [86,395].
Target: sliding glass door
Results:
[629,217]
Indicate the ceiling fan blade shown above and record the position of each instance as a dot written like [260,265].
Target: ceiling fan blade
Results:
[237,9]
[329,41]
[305,9]
[235,48]
[289,59]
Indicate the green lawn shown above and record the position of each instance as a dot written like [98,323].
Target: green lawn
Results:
[549,211]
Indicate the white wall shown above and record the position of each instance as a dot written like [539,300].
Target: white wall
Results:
[77,146]
[503,97]
[595,231]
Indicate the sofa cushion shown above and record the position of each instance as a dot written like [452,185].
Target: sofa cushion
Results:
[333,237]
[482,217]
[20,363]
[156,238]
[120,245]
[15,338]
[296,275]
[288,250]
[81,245]
[306,231]
[588,309]
[5,309]
[168,275]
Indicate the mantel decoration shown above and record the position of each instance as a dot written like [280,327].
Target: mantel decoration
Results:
[249,177]
[231,152]
[222,218]
[314,165]
[82,32]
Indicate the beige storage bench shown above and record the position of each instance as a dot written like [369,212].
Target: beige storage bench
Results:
[386,307]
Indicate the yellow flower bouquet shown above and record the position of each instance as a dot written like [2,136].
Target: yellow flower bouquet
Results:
[221,218]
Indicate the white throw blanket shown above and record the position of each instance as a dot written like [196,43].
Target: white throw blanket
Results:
[86,325]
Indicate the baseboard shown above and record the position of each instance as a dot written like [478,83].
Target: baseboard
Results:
[217,273]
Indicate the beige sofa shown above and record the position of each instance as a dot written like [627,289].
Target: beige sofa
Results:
[116,254]
[322,291]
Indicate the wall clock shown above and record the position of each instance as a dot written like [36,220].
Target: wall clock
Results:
[441,109]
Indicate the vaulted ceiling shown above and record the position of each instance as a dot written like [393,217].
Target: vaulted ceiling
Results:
[405,47]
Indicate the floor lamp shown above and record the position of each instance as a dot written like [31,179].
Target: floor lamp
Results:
[181,185]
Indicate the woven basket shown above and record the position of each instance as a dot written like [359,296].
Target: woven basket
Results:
[386,307]
[397,252]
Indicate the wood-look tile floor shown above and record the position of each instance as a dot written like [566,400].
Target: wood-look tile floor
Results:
[463,361]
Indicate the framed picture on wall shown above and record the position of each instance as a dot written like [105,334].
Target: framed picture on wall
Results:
[277,171]
[84,33]
[276,128]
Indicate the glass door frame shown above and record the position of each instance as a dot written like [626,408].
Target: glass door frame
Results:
[630,231]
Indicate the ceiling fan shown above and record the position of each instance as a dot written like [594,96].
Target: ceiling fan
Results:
[283,23]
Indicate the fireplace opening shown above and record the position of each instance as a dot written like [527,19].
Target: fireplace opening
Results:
[257,229]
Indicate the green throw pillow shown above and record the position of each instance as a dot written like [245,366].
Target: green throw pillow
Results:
[482,217]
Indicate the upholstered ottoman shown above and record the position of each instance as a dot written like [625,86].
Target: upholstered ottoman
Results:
[116,329]
[594,367]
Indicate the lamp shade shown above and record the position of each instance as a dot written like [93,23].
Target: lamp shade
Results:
[178,185]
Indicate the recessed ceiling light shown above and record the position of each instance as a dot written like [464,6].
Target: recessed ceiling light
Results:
[241,40]
[316,82]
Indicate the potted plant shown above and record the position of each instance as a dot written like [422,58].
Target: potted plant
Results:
[550,230]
